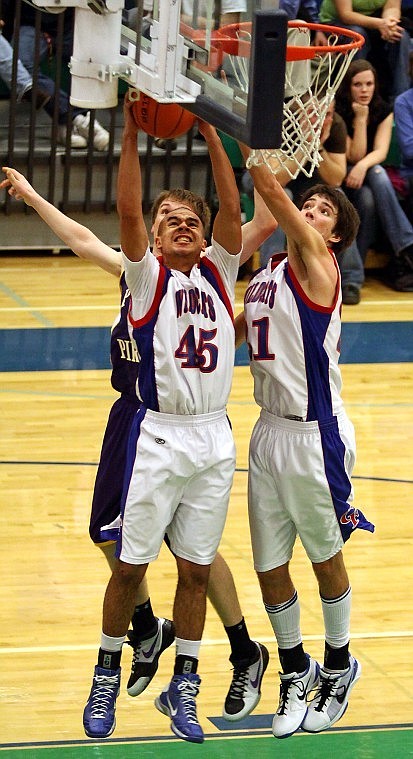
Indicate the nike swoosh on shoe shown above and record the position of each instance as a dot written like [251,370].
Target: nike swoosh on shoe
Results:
[148,654]
[255,682]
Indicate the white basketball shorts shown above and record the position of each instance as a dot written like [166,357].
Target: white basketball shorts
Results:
[178,479]
[298,483]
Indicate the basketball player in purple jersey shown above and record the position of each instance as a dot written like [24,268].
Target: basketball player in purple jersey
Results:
[248,657]
[302,448]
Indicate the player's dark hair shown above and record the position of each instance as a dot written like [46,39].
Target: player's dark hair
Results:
[186,197]
[348,220]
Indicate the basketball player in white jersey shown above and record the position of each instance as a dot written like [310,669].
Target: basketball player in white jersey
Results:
[302,448]
[181,452]
[248,657]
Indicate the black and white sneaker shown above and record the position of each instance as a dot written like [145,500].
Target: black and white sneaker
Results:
[245,689]
[292,707]
[146,655]
[331,698]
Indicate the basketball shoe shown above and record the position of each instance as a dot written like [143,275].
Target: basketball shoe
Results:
[99,714]
[76,140]
[292,707]
[100,135]
[245,689]
[177,701]
[331,698]
[146,655]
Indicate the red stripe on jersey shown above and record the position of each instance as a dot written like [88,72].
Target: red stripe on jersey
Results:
[310,303]
[136,323]
[205,261]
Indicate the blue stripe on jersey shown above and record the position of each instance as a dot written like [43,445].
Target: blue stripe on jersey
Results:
[143,334]
[210,272]
[348,517]
[314,326]
[130,460]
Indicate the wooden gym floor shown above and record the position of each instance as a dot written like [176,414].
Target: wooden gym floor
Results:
[56,313]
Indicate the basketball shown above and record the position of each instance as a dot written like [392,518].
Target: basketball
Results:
[165,120]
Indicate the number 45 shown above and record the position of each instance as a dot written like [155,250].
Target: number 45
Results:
[202,356]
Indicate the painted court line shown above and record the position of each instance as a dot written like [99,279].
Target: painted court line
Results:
[375,635]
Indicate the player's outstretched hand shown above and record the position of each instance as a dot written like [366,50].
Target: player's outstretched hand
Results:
[17,185]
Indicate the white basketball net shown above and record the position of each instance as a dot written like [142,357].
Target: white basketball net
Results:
[310,87]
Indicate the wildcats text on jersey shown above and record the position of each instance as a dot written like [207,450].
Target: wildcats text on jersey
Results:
[195,302]
[261,292]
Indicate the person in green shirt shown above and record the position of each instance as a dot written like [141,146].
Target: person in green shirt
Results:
[387,44]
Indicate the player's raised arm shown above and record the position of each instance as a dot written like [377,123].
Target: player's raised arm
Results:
[227,223]
[327,221]
[76,236]
[133,234]
[283,208]
[256,231]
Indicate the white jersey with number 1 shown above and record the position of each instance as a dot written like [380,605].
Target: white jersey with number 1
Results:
[294,346]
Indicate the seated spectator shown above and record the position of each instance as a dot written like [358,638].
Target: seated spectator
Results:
[24,81]
[306,10]
[331,171]
[79,126]
[403,113]
[387,44]
[369,121]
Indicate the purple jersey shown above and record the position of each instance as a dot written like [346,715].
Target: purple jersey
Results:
[123,351]
[107,494]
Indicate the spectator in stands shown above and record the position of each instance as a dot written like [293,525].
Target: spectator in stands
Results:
[24,81]
[387,44]
[369,121]
[332,171]
[306,10]
[26,41]
[403,113]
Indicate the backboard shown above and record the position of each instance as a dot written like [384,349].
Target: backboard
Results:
[181,51]
[203,71]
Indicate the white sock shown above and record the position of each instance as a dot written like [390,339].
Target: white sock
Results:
[187,647]
[111,644]
[285,621]
[336,613]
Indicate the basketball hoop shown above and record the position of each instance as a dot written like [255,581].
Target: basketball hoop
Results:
[312,76]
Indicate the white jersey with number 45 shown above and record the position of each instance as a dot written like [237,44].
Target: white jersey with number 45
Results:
[184,331]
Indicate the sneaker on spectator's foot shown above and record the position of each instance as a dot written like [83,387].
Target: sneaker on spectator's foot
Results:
[163,143]
[245,689]
[350,295]
[100,135]
[177,701]
[146,655]
[76,140]
[292,707]
[331,698]
[99,713]
[41,99]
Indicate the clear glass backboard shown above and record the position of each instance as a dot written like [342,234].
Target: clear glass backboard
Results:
[189,52]
[184,51]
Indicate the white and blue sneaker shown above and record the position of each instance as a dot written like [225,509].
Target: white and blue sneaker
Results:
[146,655]
[245,689]
[292,707]
[177,701]
[331,698]
[99,713]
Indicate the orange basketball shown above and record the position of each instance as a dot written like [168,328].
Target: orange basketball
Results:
[165,120]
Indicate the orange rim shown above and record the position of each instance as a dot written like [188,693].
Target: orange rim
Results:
[294,52]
